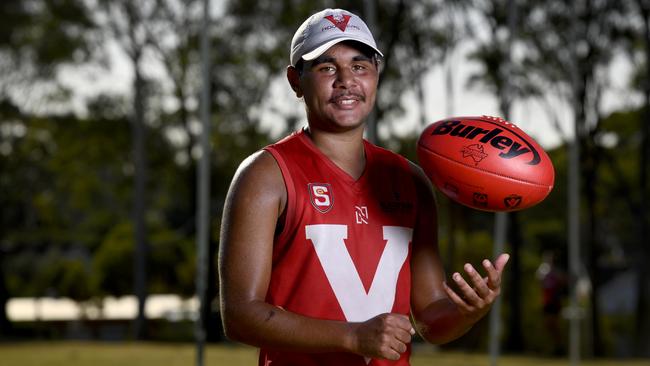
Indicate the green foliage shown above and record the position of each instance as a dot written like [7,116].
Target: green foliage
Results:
[112,262]
[70,184]
[173,261]
[44,32]
[74,281]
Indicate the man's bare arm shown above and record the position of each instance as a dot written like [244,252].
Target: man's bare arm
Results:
[442,314]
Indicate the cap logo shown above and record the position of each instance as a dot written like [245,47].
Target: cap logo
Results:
[339,20]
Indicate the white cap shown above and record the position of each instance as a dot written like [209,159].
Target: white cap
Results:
[326,28]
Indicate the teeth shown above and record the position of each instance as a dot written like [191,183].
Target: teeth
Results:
[347,101]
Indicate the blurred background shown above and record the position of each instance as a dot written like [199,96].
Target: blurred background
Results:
[99,151]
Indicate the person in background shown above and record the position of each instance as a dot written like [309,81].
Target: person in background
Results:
[553,282]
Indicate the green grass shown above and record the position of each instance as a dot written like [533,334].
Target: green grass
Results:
[171,354]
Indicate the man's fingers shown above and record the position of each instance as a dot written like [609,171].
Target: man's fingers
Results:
[392,354]
[399,347]
[493,276]
[495,271]
[480,286]
[470,296]
[475,295]
[501,262]
[389,338]
[404,323]
[402,330]
[454,297]
[403,336]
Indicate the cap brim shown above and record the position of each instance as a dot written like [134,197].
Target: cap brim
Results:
[325,46]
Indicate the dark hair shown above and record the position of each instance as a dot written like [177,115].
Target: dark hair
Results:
[300,66]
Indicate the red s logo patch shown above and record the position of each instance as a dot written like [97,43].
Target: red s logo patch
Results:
[321,196]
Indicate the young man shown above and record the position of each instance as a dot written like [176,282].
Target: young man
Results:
[328,243]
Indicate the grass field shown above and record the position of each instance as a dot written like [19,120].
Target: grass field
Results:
[169,354]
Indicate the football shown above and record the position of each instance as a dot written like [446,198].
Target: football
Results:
[486,163]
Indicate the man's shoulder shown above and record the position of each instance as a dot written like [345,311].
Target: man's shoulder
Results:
[292,140]
[266,158]
[258,168]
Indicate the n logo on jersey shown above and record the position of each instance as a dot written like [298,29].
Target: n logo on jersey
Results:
[321,197]
[361,214]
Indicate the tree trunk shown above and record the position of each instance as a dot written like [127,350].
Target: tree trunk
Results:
[590,245]
[370,13]
[378,112]
[139,202]
[214,329]
[189,227]
[515,341]
[5,324]
[642,330]
[593,251]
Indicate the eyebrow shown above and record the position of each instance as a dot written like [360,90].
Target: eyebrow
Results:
[326,59]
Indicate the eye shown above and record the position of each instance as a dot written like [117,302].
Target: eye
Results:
[327,69]
[361,66]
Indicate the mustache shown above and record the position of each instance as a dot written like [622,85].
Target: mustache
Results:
[357,96]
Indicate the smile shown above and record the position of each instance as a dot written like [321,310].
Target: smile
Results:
[347,100]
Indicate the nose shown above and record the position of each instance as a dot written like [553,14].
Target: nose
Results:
[345,78]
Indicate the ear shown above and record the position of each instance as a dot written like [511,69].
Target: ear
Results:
[294,80]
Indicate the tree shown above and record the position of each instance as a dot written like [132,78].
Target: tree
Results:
[569,43]
[504,77]
[642,330]
[126,20]
[27,67]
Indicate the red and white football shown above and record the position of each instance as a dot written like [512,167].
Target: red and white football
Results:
[486,163]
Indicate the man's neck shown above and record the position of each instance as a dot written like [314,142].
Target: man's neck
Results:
[344,149]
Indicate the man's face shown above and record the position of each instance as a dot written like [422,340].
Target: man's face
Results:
[339,88]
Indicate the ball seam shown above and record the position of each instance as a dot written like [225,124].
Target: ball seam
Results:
[487,171]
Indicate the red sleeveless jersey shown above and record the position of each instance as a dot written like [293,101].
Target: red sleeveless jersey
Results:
[344,250]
